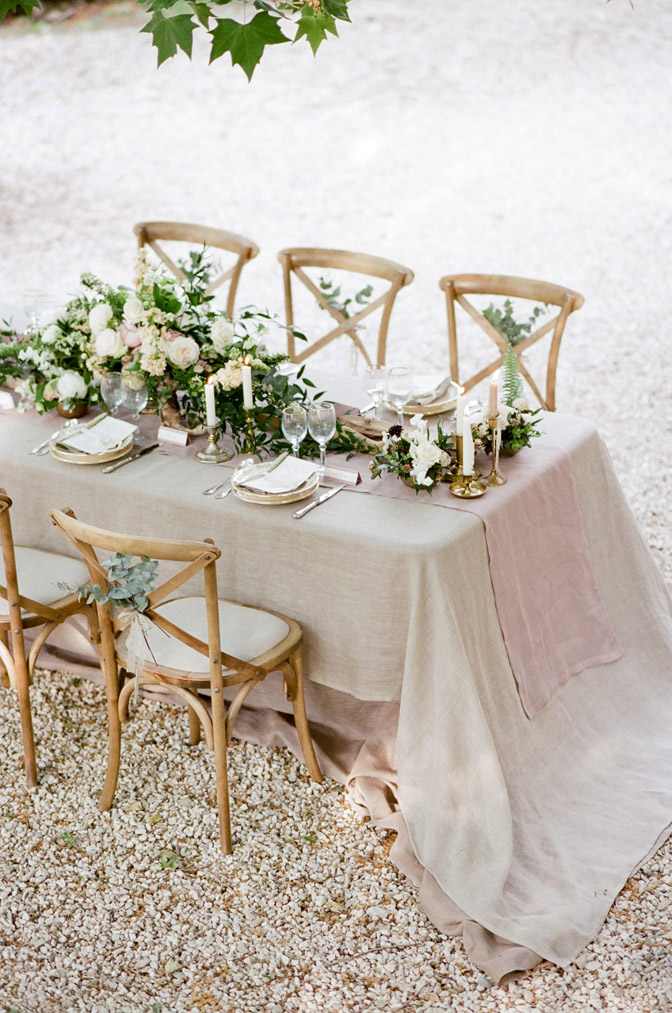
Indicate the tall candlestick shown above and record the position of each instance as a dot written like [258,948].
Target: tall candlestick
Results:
[211,419]
[248,399]
[467,450]
[459,413]
[493,411]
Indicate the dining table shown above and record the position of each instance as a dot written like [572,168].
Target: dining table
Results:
[519,818]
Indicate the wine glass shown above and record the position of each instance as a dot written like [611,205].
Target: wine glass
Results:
[35,303]
[134,395]
[322,426]
[294,425]
[111,390]
[399,389]
[375,386]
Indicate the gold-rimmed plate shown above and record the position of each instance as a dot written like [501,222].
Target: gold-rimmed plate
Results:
[72,456]
[276,498]
[443,404]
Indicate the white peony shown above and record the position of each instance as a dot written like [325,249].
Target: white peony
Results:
[182,352]
[134,311]
[52,334]
[221,333]
[109,344]
[71,386]
[521,404]
[99,317]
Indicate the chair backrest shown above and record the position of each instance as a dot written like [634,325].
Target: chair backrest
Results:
[293,263]
[458,286]
[198,557]
[10,591]
[149,234]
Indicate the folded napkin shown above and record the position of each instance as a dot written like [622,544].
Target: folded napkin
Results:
[427,389]
[103,436]
[286,477]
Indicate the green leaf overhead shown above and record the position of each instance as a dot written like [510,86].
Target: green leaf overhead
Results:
[18,7]
[245,43]
[169,33]
[314,25]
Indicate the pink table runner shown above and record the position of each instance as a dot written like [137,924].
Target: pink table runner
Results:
[549,605]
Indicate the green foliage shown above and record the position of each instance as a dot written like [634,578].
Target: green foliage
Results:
[245,43]
[511,379]
[504,321]
[333,294]
[18,7]
[128,583]
[314,25]
[68,838]
[170,33]
[169,860]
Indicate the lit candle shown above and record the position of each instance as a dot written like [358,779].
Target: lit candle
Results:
[248,399]
[459,413]
[467,450]
[493,411]
[211,419]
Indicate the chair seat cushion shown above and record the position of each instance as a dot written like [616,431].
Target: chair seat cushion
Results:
[245,632]
[39,573]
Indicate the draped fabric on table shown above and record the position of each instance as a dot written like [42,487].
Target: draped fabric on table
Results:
[515,829]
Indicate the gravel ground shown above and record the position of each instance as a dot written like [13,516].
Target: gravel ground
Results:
[528,139]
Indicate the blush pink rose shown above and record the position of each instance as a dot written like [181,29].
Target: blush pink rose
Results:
[170,335]
[130,335]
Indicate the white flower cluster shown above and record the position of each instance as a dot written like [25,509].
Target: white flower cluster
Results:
[230,376]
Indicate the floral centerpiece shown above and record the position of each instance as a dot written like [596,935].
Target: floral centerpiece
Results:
[416,456]
[166,333]
[519,420]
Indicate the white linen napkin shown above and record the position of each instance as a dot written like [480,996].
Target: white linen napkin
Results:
[105,435]
[427,389]
[287,477]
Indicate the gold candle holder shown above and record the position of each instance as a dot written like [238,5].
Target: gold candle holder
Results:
[495,477]
[458,477]
[249,429]
[213,453]
[467,487]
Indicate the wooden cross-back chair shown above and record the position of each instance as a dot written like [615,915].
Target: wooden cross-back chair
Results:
[186,641]
[458,286]
[293,263]
[30,598]
[149,234]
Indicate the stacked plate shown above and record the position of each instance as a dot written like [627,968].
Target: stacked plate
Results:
[284,480]
[98,442]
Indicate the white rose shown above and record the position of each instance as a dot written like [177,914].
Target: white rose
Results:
[99,317]
[221,333]
[425,454]
[134,311]
[48,317]
[52,333]
[71,385]
[109,344]
[182,352]
[521,404]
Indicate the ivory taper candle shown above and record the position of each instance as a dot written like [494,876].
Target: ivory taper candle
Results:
[248,399]
[492,398]
[211,419]
[459,413]
[467,449]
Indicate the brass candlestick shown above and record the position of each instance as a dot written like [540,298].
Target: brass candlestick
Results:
[467,487]
[249,430]
[458,478]
[213,452]
[495,477]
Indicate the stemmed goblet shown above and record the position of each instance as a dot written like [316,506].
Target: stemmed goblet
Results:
[111,390]
[294,425]
[399,389]
[375,386]
[322,426]
[134,395]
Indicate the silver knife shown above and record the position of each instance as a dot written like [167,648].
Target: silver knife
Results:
[316,502]
[127,460]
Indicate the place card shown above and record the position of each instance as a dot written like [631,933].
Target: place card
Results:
[348,475]
[180,437]
[6,399]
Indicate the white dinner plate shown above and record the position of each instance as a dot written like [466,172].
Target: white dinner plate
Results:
[72,456]
[305,490]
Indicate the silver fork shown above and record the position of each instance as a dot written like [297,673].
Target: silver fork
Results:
[215,488]
[45,445]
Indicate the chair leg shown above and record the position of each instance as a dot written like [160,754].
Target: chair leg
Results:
[109,666]
[21,684]
[194,726]
[293,673]
[221,772]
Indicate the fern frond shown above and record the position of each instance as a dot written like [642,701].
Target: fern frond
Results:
[512,382]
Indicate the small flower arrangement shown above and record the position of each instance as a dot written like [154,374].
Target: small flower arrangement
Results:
[418,458]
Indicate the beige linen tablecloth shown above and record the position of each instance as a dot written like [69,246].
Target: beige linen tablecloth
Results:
[530,827]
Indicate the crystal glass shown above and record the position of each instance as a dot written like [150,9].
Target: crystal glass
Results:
[399,388]
[294,425]
[133,393]
[374,377]
[322,426]
[36,302]
[110,388]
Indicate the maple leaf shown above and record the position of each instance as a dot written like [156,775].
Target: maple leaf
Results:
[315,25]
[27,6]
[169,33]
[337,9]
[245,43]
